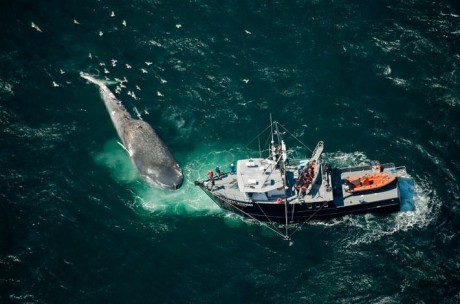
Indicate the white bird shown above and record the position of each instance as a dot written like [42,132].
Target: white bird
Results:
[178,25]
[148,63]
[163,81]
[36,27]
[137,113]
[159,94]
[106,71]
[146,112]
[155,43]
[144,71]
[128,66]
[121,80]
[245,80]
[62,72]
[124,22]
[113,14]
[76,21]
[101,33]
[247,32]
[101,63]
[90,56]
[55,84]
[138,88]
[114,62]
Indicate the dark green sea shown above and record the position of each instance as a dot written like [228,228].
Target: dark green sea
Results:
[376,80]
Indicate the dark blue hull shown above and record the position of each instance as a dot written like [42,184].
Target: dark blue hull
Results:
[301,212]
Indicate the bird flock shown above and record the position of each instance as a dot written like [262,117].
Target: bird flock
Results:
[104,68]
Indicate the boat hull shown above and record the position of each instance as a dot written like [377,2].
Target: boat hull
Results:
[271,212]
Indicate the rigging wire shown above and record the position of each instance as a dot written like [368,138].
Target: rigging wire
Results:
[308,219]
[257,136]
[271,223]
[252,217]
[284,128]
[283,173]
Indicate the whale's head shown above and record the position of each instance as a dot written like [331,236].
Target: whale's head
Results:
[169,177]
[151,156]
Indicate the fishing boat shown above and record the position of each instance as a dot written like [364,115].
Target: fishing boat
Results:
[279,189]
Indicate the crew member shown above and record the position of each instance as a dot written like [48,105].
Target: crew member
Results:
[211,177]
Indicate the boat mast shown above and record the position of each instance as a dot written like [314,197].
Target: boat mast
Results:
[273,141]
[279,157]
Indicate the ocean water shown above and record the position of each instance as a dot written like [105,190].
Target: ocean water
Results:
[376,80]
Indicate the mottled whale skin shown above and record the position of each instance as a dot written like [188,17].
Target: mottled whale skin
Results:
[148,152]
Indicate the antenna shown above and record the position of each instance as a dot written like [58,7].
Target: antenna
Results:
[273,141]
[271,127]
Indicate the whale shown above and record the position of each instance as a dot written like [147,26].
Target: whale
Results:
[148,152]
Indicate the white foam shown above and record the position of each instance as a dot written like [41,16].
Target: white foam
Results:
[188,200]
[342,159]
[419,207]
[6,88]
[118,162]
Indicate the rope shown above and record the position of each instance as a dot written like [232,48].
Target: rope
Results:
[308,219]
[257,136]
[271,223]
[284,128]
[249,215]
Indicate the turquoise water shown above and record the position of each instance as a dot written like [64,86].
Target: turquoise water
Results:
[376,80]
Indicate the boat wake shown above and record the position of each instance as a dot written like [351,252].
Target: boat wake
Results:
[418,208]
[416,197]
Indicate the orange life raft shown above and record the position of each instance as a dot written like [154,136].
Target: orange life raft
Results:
[369,181]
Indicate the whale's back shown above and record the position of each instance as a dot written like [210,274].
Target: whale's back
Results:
[150,155]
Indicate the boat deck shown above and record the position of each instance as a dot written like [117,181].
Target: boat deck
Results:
[342,198]
[226,185]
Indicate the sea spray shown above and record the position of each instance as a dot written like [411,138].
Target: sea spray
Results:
[117,161]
